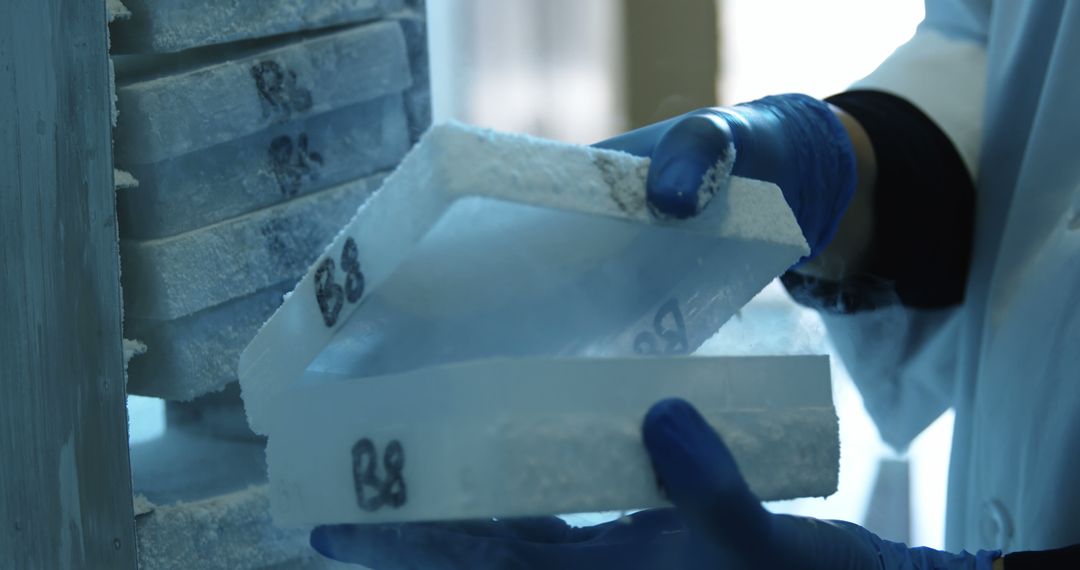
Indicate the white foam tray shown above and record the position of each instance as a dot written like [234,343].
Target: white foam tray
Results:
[485,245]
[527,437]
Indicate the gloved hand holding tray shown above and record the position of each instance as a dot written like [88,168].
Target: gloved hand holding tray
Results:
[486,334]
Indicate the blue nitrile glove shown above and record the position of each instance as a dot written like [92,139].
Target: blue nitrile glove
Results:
[794,141]
[717,524]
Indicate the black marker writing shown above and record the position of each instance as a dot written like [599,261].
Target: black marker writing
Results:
[668,328]
[292,163]
[354,282]
[279,91]
[329,294]
[373,492]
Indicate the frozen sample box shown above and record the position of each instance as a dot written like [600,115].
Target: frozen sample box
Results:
[263,169]
[198,353]
[224,532]
[170,108]
[523,437]
[176,276]
[486,246]
[175,25]
[418,96]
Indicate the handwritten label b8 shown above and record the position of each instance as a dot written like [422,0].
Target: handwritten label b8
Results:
[374,492]
[279,91]
[668,335]
[331,295]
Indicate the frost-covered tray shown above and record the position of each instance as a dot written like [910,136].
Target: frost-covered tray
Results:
[179,275]
[263,169]
[177,105]
[175,25]
[525,437]
[197,354]
[484,245]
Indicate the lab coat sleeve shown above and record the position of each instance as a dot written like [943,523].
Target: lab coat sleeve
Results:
[945,77]
[942,70]
[903,359]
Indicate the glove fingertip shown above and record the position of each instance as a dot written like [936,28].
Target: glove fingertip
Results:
[683,447]
[358,544]
[690,458]
[662,411]
[322,540]
[672,421]
[692,162]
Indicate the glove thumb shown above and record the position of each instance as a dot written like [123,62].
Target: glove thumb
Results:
[700,476]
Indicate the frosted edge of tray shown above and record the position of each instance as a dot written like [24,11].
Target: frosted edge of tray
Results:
[197,354]
[176,276]
[173,115]
[164,27]
[529,437]
[453,160]
[618,191]
[237,177]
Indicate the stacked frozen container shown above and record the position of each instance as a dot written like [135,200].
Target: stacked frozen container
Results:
[254,129]
[248,132]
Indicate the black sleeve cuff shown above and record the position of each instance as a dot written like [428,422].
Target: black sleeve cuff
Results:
[1068,557]
[924,210]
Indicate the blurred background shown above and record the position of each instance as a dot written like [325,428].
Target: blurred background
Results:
[583,70]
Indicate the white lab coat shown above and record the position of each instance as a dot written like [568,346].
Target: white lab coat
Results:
[1002,80]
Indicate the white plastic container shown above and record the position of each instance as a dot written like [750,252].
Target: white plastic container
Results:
[502,294]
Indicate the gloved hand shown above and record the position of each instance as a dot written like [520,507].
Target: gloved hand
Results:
[794,141]
[717,523]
